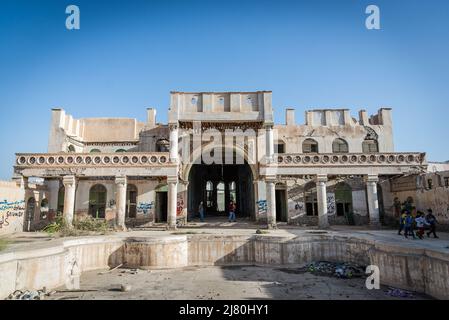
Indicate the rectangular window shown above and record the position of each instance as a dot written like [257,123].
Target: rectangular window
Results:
[429,183]
[446,182]
[280,148]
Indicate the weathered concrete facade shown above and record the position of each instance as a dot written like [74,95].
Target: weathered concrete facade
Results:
[218,147]
[425,191]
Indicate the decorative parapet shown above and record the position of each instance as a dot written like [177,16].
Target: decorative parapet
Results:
[58,160]
[350,159]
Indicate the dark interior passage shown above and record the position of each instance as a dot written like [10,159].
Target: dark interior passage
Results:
[216,185]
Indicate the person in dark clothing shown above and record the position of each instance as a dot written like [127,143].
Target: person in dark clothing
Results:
[408,228]
[231,209]
[432,221]
[402,221]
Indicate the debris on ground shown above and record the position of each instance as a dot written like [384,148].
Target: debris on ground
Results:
[344,270]
[29,294]
[399,293]
[125,288]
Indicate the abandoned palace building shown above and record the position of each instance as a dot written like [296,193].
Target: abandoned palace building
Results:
[217,147]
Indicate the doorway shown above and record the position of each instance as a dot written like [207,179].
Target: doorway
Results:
[31,205]
[131,201]
[281,206]
[161,206]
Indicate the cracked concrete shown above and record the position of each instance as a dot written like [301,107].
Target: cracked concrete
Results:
[222,283]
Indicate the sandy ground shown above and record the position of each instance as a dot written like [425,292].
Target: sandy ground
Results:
[221,283]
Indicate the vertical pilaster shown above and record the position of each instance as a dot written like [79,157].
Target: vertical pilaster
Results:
[321,180]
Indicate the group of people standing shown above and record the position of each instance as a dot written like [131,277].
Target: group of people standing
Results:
[419,222]
[231,210]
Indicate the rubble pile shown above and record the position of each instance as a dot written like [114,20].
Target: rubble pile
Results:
[29,294]
[343,270]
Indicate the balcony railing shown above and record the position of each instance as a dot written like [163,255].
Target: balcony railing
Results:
[132,159]
[348,159]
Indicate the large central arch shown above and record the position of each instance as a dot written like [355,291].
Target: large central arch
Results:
[216,184]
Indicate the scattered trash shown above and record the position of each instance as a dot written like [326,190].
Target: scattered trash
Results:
[399,293]
[343,270]
[28,295]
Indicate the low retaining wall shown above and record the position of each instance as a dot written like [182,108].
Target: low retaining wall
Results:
[416,269]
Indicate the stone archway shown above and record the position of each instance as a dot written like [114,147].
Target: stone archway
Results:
[237,180]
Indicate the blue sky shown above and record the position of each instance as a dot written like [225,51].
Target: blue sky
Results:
[128,55]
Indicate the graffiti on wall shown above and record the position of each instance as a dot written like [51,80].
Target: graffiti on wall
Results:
[145,207]
[8,210]
[296,206]
[262,207]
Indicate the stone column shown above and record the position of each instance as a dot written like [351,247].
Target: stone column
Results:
[321,180]
[373,202]
[69,199]
[120,201]
[173,142]
[172,198]
[269,142]
[271,202]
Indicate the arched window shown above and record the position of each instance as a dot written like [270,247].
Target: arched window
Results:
[279,146]
[370,145]
[232,191]
[310,146]
[44,209]
[221,197]
[95,151]
[120,150]
[343,199]
[29,217]
[97,201]
[71,148]
[163,145]
[339,146]
[209,194]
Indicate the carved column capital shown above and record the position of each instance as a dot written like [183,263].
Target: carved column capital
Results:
[69,181]
[121,181]
[373,178]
